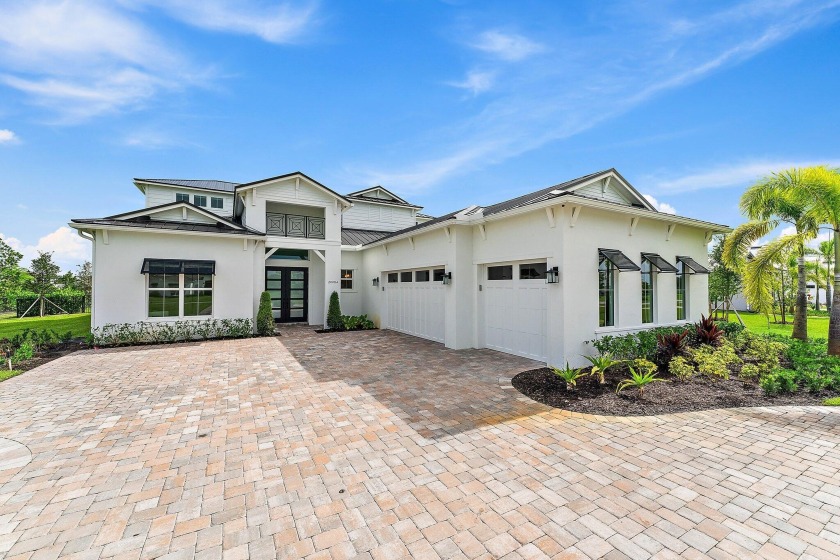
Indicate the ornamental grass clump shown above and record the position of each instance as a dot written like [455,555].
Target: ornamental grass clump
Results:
[639,379]
[569,375]
[600,365]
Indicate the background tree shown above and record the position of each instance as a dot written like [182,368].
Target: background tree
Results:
[724,282]
[44,277]
[821,194]
[12,276]
[66,281]
[84,280]
[768,203]
[826,253]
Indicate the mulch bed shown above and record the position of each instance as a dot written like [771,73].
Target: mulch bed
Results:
[698,393]
[47,355]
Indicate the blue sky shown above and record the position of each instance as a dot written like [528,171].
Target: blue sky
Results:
[447,103]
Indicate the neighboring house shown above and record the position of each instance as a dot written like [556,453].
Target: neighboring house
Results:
[536,276]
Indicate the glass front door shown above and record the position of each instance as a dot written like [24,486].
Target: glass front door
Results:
[288,287]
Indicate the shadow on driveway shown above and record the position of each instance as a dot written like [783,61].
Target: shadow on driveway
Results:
[437,391]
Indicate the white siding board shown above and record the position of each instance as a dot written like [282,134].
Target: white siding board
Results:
[611,194]
[377,217]
[157,195]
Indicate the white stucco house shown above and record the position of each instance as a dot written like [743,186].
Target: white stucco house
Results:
[536,276]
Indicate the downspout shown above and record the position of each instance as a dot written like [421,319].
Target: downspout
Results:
[92,238]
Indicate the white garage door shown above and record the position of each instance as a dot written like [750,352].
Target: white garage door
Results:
[515,309]
[415,300]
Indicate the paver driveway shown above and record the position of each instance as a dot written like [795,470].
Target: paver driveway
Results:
[382,445]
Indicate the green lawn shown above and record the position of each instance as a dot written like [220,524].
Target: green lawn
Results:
[79,324]
[817,326]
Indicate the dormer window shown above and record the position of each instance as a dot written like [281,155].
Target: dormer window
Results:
[182,197]
[200,200]
[217,202]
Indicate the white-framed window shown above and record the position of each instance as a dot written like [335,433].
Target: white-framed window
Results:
[346,279]
[200,200]
[178,289]
[182,197]
[217,202]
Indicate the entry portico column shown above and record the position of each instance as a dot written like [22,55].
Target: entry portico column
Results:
[332,276]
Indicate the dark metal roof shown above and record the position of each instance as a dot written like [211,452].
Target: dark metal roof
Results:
[218,227]
[661,264]
[360,236]
[540,195]
[381,201]
[177,266]
[619,259]
[380,187]
[693,265]
[176,204]
[206,184]
[424,225]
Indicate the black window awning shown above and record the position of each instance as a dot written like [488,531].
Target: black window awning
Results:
[661,264]
[619,259]
[177,266]
[693,266]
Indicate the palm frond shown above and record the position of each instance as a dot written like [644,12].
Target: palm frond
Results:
[738,243]
[760,272]
[820,193]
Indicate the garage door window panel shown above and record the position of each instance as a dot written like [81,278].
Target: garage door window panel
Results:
[500,272]
[405,276]
[393,277]
[421,276]
[532,271]
[438,274]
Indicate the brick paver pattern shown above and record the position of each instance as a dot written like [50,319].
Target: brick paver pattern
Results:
[380,445]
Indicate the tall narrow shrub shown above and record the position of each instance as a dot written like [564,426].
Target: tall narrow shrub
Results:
[334,320]
[265,320]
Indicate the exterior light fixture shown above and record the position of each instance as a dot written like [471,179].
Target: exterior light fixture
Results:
[552,275]
[447,278]
[376,281]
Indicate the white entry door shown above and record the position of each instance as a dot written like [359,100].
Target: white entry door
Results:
[515,308]
[416,302]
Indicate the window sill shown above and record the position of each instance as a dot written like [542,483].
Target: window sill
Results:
[636,328]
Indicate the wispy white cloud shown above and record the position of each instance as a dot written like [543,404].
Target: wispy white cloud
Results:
[84,59]
[275,22]
[663,207]
[727,176]
[67,247]
[8,137]
[548,98]
[476,82]
[155,139]
[506,46]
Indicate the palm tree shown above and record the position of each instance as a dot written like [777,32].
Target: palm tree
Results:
[821,192]
[826,253]
[767,204]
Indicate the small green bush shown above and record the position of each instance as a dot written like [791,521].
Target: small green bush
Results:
[730,329]
[681,368]
[265,320]
[750,371]
[357,323]
[642,344]
[24,352]
[833,401]
[715,361]
[780,381]
[149,332]
[334,321]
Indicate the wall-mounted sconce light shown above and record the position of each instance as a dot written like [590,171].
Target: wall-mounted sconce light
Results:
[376,281]
[552,275]
[447,278]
